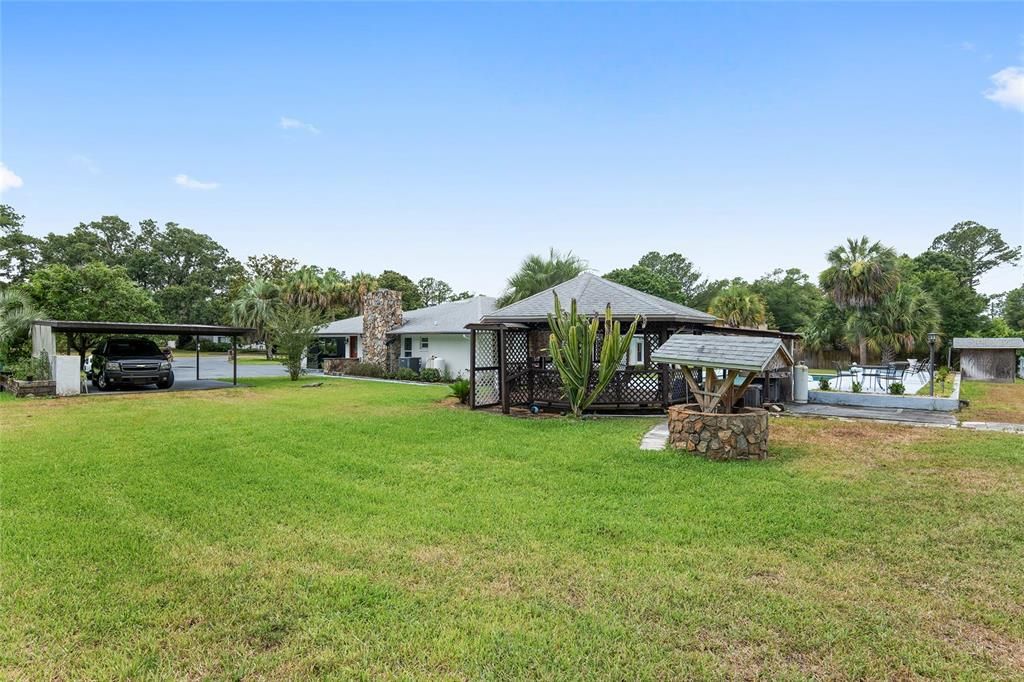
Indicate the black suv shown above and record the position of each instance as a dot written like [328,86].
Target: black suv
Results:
[130,361]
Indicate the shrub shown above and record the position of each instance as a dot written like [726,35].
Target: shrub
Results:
[35,369]
[430,374]
[460,389]
[446,376]
[897,388]
[407,374]
[365,369]
[856,387]
[824,384]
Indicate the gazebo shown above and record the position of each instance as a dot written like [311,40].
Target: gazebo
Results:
[510,365]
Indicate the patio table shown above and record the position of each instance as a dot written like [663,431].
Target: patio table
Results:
[874,372]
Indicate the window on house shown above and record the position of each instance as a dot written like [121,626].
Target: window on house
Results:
[638,351]
[424,343]
[407,346]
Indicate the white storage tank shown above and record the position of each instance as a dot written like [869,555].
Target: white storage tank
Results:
[437,363]
[800,385]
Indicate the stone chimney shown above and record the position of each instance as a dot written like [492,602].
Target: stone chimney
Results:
[382,312]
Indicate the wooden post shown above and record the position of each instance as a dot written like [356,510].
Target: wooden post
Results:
[505,404]
[234,360]
[472,369]
[197,358]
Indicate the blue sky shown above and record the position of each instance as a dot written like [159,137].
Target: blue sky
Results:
[452,139]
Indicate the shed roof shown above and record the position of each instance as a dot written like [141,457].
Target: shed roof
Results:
[445,318]
[592,294]
[1006,343]
[750,353]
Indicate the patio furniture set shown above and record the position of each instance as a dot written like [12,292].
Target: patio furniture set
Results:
[878,377]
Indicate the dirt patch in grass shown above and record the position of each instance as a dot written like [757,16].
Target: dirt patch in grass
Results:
[1004,651]
[849,447]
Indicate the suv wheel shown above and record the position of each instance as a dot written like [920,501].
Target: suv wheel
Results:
[102,382]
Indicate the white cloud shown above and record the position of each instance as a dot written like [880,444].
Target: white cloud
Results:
[8,178]
[192,183]
[1009,87]
[296,124]
[86,163]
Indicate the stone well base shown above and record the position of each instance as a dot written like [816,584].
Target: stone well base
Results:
[742,435]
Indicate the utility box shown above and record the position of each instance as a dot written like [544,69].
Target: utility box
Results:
[800,383]
[67,373]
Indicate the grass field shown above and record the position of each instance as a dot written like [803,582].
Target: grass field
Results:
[993,402]
[371,530]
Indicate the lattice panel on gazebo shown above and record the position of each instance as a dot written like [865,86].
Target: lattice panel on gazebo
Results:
[485,374]
[631,387]
[486,388]
[486,348]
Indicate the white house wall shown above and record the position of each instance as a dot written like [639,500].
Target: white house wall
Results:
[452,348]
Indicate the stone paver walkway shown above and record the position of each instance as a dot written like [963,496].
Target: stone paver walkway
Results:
[994,426]
[656,438]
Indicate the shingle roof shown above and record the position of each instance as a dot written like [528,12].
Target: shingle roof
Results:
[446,318]
[592,294]
[749,353]
[1012,342]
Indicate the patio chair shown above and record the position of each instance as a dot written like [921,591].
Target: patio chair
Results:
[894,373]
[842,370]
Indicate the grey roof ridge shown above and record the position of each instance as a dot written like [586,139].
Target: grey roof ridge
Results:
[540,293]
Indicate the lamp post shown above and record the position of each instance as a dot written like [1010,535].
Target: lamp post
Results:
[933,338]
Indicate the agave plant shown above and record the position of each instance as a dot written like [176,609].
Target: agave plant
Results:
[572,343]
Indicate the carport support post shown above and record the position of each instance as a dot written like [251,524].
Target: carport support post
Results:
[234,360]
[197,357]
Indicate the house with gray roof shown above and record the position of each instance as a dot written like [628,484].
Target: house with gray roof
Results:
[434,337]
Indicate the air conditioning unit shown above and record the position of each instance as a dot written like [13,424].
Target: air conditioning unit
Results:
[409,363]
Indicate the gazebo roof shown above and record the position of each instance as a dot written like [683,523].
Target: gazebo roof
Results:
[745,353]
[592,294]
[1007,343]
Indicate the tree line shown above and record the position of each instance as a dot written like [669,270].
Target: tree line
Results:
[868,298]
[109,270]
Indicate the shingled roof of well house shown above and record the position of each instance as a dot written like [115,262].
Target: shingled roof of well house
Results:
[592,294]
[750,353]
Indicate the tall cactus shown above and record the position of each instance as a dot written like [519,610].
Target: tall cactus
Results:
[572,342]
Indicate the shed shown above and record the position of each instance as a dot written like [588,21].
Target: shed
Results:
[991,359]
[741,357]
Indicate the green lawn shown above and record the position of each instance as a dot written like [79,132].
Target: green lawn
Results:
[993,402]
[369,530]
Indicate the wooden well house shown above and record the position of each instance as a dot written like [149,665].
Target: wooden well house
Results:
[718,369]
[510,365]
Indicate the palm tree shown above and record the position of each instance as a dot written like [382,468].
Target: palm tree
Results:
[17,311]
[536,273]
[360,284]
[858,276]
[256,306]
[903,317]
[739,307]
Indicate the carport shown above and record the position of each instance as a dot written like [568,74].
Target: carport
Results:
[43,332]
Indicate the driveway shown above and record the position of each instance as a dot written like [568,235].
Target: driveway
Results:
[218,367]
